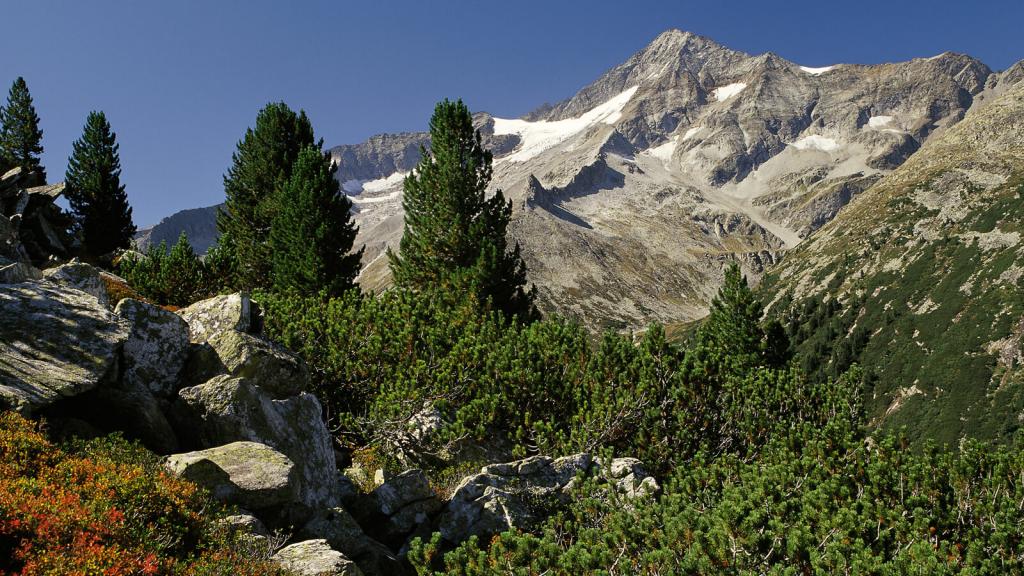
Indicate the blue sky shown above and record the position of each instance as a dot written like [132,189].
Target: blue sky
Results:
[181,80]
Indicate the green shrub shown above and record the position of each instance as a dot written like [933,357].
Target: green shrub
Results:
[175,278]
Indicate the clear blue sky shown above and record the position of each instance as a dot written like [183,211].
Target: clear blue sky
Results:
[181,80]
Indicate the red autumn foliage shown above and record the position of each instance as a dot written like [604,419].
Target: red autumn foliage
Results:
[105,508]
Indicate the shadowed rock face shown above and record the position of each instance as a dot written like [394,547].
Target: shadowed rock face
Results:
[632,196]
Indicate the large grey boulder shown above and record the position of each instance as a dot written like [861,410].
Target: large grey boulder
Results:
[156,349]
[80,276]
[247,474]
[217,314]
[264,364]
[345,535]
[521,494]
[227,409]
[55,343]
[315,558]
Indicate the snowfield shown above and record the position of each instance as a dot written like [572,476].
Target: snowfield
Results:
[536,137]
[664,151]
[816,142]
[725,92]
[879,121]
[817,71]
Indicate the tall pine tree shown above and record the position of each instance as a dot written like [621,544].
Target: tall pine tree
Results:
[20,136]
[312,232]
[94,190]
[454,235]
[261,165]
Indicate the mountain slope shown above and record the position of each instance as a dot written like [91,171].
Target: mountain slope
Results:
[631,196]
[927,266]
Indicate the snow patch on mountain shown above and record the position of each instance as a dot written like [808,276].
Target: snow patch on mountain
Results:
[728,91]
[816,71]
[664,151]
[879,121]
[536,137]
[692,132]
[816,142]
[382,184]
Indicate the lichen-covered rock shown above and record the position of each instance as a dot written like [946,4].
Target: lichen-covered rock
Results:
[245,522]
[344,534]
[156,349]
[55,343]
[247,474]
[227,409]
[270,367]
[520,494]
[315,558]
[80,276]
[217,314]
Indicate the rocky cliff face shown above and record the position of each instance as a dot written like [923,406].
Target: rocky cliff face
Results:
[631,196]
[927,265]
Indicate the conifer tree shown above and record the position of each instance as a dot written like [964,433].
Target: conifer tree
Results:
[312,232]
[20,136]
[733,326]
[94,190]
[261,165]
[454,235]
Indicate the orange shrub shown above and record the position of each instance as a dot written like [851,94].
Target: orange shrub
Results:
[104,507]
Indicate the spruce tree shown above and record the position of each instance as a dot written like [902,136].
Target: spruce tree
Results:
[20,136]
[94,190]
[733,326]
[455,237]
[261,165]
[312,232]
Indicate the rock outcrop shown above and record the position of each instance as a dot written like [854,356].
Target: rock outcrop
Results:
[32,228]
[265,365]
[226,409]
[55,342]
[347,536]
[315,558]
[398,506]
[217,314]
[156,349]
[80,276]
[247,474]
[522,493]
